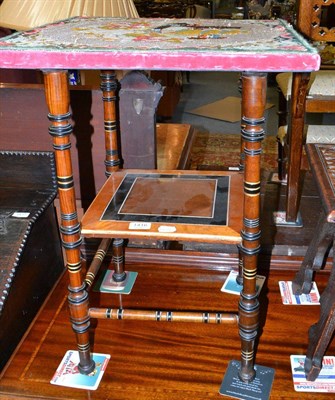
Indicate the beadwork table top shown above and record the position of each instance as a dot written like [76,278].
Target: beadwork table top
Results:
[154,44]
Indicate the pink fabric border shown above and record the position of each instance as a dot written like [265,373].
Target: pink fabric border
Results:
[274,62]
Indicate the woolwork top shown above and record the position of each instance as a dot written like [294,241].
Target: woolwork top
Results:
[168,44]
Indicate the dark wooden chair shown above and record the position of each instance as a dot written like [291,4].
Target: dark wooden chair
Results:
[305,93]
[322,161]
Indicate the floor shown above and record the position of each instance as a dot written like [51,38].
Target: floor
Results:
[164,361]
[207,87]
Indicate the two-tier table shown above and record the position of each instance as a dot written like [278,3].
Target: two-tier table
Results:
[129,205]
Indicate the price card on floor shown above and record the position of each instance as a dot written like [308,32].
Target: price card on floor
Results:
[68,374]
[231,286]
[324,383]
[289,298]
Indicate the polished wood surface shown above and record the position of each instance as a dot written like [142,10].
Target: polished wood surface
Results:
[319,103]
[164,361]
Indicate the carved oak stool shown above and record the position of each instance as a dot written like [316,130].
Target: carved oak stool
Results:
[322,162]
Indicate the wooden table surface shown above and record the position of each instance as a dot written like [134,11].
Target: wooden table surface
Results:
[162,361]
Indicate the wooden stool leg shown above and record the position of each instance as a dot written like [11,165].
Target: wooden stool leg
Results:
[109,87]
[239,278]
[119,274]
[314,257]
[57,97]
[253,107]
[241,162]
[321,333]
[112,159]
[282,121]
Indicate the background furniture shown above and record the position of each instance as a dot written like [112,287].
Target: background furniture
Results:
[320,98]
[322,161]
[314,19]
[176,8]
[30,246]
[174,141]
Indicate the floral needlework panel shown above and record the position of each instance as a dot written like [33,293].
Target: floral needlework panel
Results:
[138,42]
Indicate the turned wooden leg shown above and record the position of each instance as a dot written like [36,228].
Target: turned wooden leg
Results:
[282,121]
[119,274]
[239,278]
[253,107]
[314,257]
[321,333]
[112,158]
[295,138]
[57,97]
[109,87]
[241,162]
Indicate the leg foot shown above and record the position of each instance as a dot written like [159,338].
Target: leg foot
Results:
[280,219]
[260,388]
[88,368]
[312,369]
[321,333]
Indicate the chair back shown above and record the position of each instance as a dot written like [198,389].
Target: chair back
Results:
[316,19]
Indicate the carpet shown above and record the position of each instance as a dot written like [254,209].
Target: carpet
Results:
[210,149]
[227,109]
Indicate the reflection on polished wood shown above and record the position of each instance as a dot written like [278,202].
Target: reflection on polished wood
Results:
[174,142]
[163,361]
[170,196]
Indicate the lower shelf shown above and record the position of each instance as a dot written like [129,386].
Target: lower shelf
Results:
[168,205]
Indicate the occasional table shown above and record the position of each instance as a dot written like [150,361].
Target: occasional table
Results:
[222,211]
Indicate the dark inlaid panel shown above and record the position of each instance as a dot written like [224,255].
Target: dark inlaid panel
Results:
[170,198]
